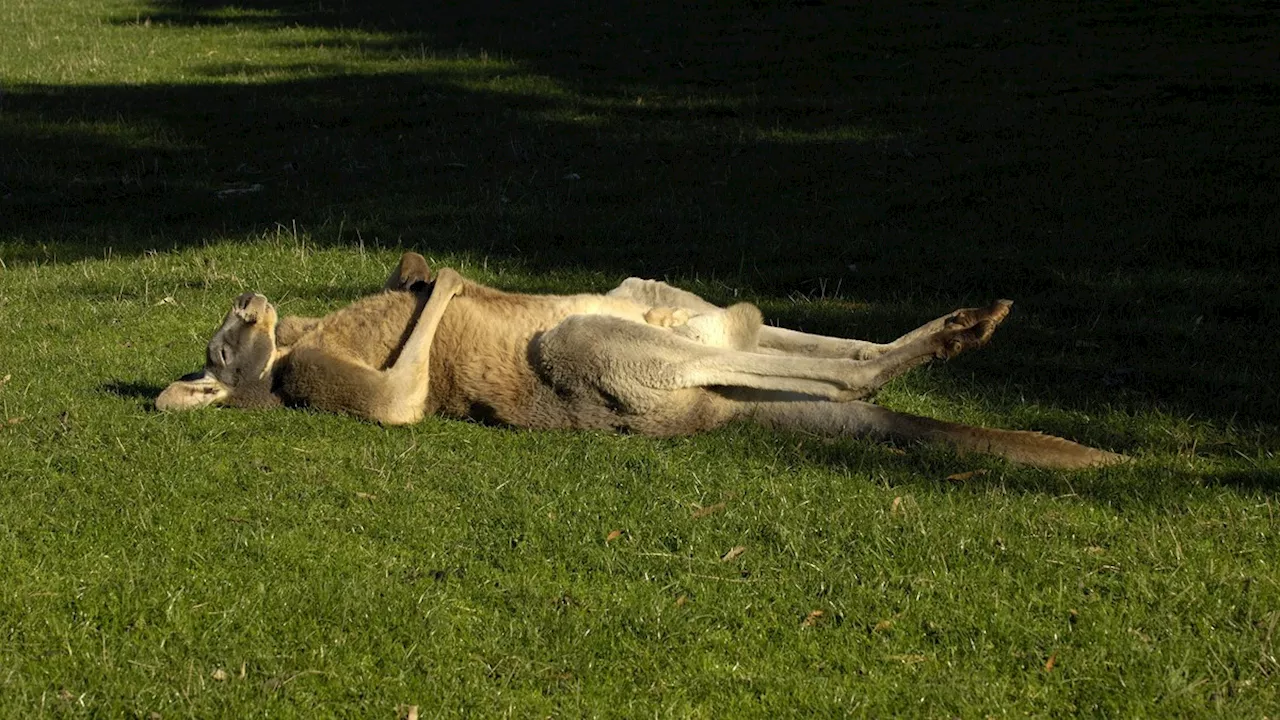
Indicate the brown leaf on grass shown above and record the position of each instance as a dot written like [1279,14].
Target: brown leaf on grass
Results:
[5,379]
[220,675]
[733,554]
[895,451]
[909,659]
[14,420]
[813,618]
[408,712]
[882,626]
[682,601]
[1095,550]
[896,506]
[613,536]
[962,476]
[702,512]
[366,496]
[1053,660]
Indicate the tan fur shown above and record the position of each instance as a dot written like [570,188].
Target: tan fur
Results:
[646,358]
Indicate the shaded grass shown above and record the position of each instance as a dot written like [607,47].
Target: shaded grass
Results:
[855,170]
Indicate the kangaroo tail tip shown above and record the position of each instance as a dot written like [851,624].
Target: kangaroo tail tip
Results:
[1047,451]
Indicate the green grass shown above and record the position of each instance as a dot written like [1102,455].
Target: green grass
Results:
[855,169]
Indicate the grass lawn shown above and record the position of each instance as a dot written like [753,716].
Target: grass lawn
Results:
[854,168]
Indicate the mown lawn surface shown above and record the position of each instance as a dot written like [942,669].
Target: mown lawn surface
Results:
[854,168]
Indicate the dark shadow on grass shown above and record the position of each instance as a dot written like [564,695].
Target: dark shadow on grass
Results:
[986,150]
[1111,169]
[938,469]
[131,389]
[1257,479]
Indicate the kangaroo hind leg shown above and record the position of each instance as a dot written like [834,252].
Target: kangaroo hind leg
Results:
[632,360]
[734,328]
[769,339]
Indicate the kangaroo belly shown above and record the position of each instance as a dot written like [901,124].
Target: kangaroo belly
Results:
[486,366]
[481,365]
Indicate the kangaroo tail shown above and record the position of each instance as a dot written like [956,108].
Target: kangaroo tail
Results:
[857,419]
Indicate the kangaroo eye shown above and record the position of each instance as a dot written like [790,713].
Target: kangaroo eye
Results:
[223,355]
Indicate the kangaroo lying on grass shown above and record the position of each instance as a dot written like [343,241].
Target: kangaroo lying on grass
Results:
[646,357]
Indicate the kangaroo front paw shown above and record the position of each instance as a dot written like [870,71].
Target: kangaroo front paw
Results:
[411,273]
[971,328]
[666,317]
[251,307]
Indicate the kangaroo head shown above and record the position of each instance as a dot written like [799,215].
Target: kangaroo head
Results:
[238,364]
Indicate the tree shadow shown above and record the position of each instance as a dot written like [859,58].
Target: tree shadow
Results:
[1256,479]
[745,140]
[1106,167]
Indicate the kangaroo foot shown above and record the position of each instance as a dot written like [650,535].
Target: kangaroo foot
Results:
[970,328]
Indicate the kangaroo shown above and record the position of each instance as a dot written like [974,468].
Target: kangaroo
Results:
[645,357]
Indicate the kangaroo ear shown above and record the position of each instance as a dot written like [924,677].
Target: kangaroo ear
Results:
[191,392]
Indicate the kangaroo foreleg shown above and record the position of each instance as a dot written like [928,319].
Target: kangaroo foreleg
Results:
[406,383]
[394,396]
